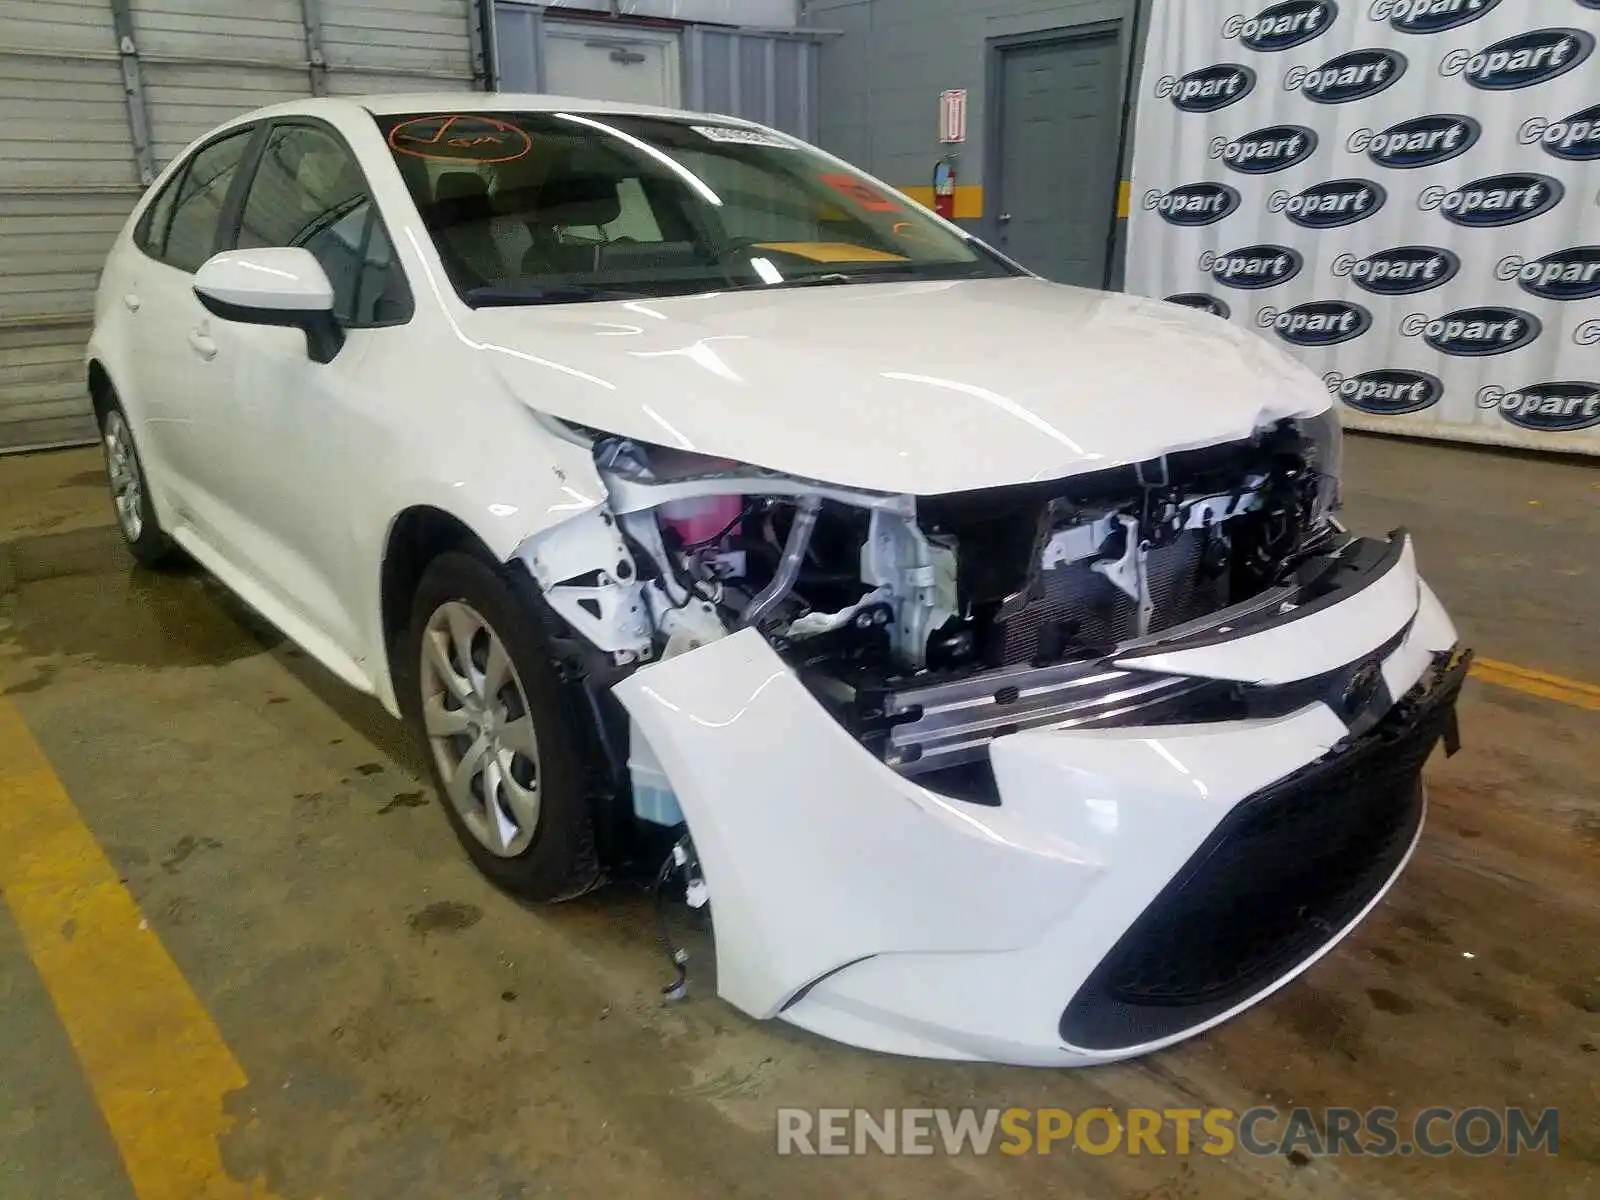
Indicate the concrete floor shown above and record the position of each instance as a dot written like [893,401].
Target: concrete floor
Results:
[406,1031]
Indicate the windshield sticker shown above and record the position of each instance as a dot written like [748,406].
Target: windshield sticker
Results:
[735,136]
[461,137]
[860,194]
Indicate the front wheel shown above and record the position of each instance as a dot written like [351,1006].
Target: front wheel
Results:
[488,704]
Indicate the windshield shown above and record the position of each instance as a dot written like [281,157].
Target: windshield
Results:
[539,208]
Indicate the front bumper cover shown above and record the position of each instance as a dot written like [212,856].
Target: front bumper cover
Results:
[856,903]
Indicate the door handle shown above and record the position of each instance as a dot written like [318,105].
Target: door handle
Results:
[1004,218]
[130,302]
[202,345]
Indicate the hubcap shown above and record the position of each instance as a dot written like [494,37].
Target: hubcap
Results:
[476,716]
[127,483]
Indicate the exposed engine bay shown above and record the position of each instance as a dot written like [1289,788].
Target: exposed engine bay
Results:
[930,626]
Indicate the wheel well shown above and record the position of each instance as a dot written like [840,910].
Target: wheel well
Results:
[419,535]
[101,394]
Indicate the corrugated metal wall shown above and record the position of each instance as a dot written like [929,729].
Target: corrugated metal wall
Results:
[761,74]
[97,95]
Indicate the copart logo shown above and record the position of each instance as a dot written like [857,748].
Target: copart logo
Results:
[1330,205]
[1253,267]
[1565,275]
[1276,148]
[1474,332]
[1429,16]
[1207,89]
[1352,76]
[1201,302]
[1282,26]
[1317,323]
[1386,393]
[1419,142]
[1547,407]
[1576,139]
[1523,61]
[1193,204]
[1496,201]
[1402,271]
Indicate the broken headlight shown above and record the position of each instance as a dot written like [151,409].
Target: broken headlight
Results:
[1324,438]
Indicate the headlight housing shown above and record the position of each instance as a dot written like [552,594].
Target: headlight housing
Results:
[1323,435]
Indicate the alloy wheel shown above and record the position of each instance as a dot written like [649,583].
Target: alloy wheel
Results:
[476,716]
[127,481]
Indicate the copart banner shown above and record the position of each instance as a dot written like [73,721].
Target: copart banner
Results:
[1405,194]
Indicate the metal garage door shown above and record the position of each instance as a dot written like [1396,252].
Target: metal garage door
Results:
[97,95]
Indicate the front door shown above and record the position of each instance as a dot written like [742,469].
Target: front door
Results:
[1060,125]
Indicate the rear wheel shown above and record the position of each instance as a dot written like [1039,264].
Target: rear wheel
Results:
[490,709]
[130,493]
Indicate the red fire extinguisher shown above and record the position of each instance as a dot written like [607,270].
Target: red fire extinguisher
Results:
[944,188]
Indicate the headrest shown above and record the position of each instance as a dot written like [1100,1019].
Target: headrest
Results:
[578,200]
[455,186]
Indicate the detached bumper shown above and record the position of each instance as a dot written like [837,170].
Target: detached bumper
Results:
[1133,887]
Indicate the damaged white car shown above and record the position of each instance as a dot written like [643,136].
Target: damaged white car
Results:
[986,649]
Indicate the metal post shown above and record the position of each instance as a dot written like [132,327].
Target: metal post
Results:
[480,34]
[133,89]
[311,17]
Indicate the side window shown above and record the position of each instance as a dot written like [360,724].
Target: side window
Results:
[192,232]
[308,191]
[151,236]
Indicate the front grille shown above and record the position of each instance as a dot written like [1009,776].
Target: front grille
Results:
[1279,878]
[1092,611]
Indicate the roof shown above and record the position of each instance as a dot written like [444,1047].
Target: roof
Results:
[389,103]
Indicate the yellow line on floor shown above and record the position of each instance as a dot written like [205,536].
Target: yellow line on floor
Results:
[1538,683]
[152,1054]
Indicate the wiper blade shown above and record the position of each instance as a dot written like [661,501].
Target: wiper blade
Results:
[503,296]
[869,275]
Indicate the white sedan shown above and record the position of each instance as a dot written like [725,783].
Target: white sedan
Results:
[987,649]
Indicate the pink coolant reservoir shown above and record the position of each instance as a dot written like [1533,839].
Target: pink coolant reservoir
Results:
[702,519]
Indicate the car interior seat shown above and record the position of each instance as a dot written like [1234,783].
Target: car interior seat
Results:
[461,220]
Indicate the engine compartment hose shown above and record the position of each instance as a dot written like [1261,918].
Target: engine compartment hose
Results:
[794,553]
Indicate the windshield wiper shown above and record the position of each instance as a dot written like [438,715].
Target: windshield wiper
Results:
[878,274]
[507,295]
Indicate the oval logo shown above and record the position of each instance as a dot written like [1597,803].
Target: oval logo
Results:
[1496,201]
[1352,76]
[1330,205]
[1389,392]
[1576,139]
[1562,407]
[1402,271]
[1193,204]
[1317,323]
[1430,16]
[1572,274]
[1475,332]
[1282,26]
[1208,89]
[1253,266]
[1420,142]
[1201,302]
[1276,148]
[1526,60]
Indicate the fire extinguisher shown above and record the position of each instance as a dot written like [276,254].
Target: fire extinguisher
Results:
[944,188]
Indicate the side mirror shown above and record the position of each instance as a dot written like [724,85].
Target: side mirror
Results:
[273,285]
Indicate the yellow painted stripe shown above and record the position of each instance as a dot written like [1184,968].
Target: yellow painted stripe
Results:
[152,1054]
[1538,683]
[1124,199]
[969,199]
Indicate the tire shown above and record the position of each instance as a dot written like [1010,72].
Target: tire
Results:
[537,839]
[130,493]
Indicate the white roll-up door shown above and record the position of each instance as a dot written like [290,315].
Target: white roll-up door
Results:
[72,92]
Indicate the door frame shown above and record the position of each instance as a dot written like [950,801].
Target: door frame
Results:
[995,51]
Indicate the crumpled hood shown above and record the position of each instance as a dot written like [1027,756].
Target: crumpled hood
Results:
[919,388]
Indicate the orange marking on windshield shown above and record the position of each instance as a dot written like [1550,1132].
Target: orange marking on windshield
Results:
[860,194]
[461,137]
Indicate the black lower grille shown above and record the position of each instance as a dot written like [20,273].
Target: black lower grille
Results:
[1287,870]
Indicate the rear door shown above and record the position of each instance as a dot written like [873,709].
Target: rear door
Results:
[176,375]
